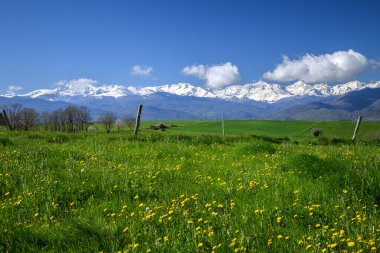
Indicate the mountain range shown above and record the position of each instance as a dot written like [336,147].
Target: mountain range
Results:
[259,100]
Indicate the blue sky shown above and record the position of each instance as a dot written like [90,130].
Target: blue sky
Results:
[159,42]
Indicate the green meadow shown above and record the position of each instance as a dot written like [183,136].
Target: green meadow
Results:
[277,128]
[268,186]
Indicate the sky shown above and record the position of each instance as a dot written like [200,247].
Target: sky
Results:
[204,42]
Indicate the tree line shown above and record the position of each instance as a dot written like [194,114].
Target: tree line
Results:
[69,119]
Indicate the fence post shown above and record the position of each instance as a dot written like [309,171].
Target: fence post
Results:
[222,126]
[7,120]
[357,127]
[138,119]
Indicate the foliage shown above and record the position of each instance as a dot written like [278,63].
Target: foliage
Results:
[316,131]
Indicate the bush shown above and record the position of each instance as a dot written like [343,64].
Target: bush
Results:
[316,131]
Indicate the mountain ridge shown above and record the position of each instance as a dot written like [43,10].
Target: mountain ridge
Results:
[260,100]
[259,91]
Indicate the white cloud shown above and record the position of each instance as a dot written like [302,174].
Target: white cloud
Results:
[338,66]
[81,82]
[216,76]
[198,71]
[80,85]
[13,89]
[141,70]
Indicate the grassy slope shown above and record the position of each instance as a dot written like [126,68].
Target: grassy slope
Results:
[180,193]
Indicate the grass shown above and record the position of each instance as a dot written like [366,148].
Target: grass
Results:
[176,192]
[299,130]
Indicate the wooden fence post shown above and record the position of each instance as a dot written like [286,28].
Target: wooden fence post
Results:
[138,119]
[7,121]
[222,126]
[357,127]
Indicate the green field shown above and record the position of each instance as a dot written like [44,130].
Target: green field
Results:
[276,128]
[184,191]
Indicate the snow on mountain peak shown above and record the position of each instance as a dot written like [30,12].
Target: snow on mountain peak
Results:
[258,91]
[180,89]
[341,89]
[87,87]
[80,87]
[301,88]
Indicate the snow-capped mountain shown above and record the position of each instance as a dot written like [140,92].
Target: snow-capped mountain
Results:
[183,101]
[258,91]
[180,89]
[300,89]
[83,90]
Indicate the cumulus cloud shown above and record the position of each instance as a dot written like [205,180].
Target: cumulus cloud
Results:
[335,67]
[81,82]
[141,70]
[13,89]
[79,85]
[216,76]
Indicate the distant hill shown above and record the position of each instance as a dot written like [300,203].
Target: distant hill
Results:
[346,107]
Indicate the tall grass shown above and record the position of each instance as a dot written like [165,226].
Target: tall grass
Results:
[165,192]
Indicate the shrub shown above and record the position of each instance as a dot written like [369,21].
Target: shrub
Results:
[316,131]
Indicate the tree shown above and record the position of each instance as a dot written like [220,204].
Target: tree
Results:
[107,119]
[28,118]
[44,120]
[56,120]
[129,121]
[14,115]
[119,124]
[71,118]
[84,116]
